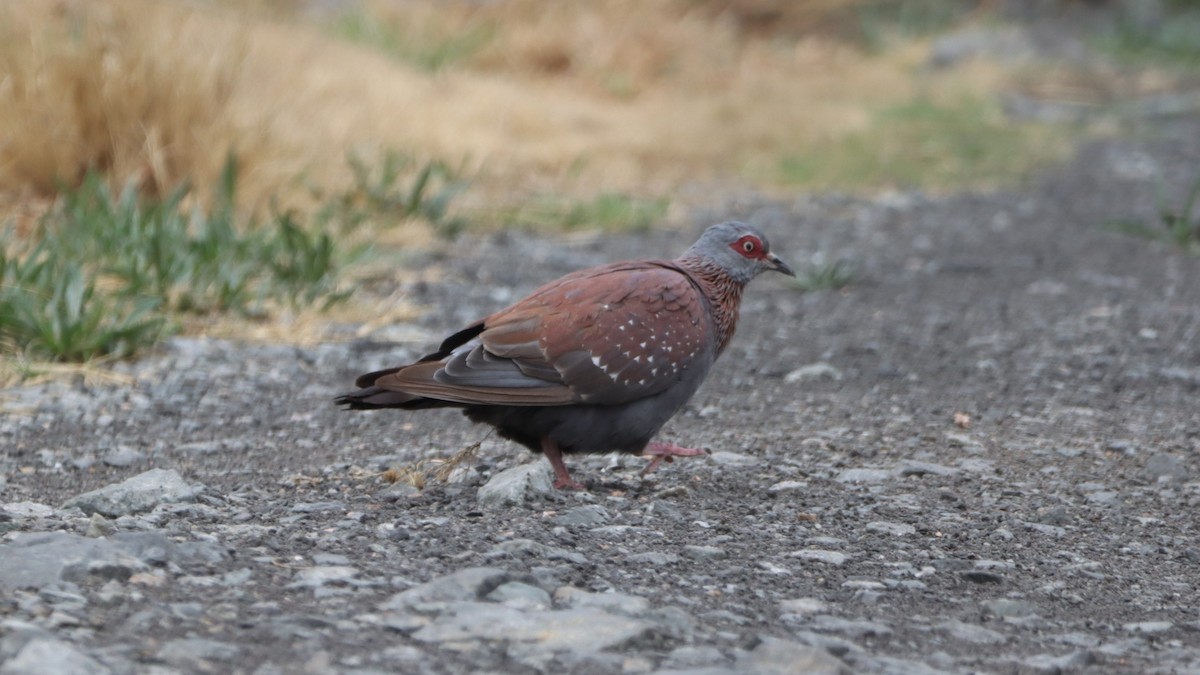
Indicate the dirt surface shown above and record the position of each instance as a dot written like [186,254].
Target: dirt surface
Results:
[981,456]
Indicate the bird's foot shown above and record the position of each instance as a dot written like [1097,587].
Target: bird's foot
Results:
[562,478]
[660,452]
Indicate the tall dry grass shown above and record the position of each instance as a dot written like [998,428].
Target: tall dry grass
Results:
[577,98]
[137,89]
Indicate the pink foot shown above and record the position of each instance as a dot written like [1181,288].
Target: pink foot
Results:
[562,479]
[660,452]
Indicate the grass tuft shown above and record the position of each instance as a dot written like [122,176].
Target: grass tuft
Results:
[104,272]
[1178,226]
[609,212]
[925,143]
[830,276]
[397,188]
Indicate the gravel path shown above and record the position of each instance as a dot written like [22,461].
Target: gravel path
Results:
[983,456]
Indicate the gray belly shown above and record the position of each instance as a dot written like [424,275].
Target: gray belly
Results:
[627,427]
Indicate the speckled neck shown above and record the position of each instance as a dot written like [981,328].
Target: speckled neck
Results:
[724,294]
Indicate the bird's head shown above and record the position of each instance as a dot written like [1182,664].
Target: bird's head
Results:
[740,250]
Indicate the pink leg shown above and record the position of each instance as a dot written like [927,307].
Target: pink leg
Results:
[668,452]
[562,479]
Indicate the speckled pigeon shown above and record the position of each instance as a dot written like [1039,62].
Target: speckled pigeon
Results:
[596,361]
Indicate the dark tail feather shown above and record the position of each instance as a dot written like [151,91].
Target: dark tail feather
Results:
[374,398]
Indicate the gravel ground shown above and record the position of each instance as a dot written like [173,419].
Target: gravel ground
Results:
[982,456]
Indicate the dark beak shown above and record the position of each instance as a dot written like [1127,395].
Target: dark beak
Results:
[779,266]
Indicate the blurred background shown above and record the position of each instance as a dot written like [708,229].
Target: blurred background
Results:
[234,168]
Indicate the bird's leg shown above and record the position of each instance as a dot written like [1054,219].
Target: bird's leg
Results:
[668,452]
[562,479]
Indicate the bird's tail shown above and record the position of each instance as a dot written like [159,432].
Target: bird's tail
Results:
[370,397]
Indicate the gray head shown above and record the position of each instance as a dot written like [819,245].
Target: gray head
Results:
[740,250]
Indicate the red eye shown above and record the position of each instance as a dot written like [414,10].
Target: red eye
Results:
[748,246]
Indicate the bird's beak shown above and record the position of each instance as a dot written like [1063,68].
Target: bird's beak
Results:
[779,266]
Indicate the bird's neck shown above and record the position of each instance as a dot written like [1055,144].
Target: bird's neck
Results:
[723,292]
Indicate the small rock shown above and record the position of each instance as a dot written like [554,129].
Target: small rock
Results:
[910,467]
[654,558]
[1004,607]
[813,371]
[28,510]
[513,487]
[618,603]
[321,575]
[835,558]
[968,632]
[787,486]
[894,529]
[124,457]
[1104,498]
[588,515]
[803,606]
[139,494]
[690,657]
[781,657]
[577,631]
[520,595]
[703,552]
[99,526]
[852,628]
[197,654]
[1048,664]
[733,459]
[1166,468]
[470,584]
[982,577]
[1149,626]
[863,475]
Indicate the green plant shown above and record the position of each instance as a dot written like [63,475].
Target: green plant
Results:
[880,20]
[926,144]
[104,272]
[824,276]
[1177,226]
[397,188]
[609,212]
[49,307]
[1172,39]
[427,47]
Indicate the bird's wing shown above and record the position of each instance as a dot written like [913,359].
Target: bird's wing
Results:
[603,336]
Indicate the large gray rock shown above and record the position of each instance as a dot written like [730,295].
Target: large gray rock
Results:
[42,655]
[139,494]
[37,559]
[514,486]
[470,584]
[781,657]
[579,631]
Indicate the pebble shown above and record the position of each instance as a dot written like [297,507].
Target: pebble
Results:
[813,371]
[588,515]
[803,606]
[787,487]
[894,529]
[619,603]
[835,558]
[969,632]
[733,459]
[696,552]
[863,475]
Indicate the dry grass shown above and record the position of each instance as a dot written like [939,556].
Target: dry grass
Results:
[557,98]
[108,86]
